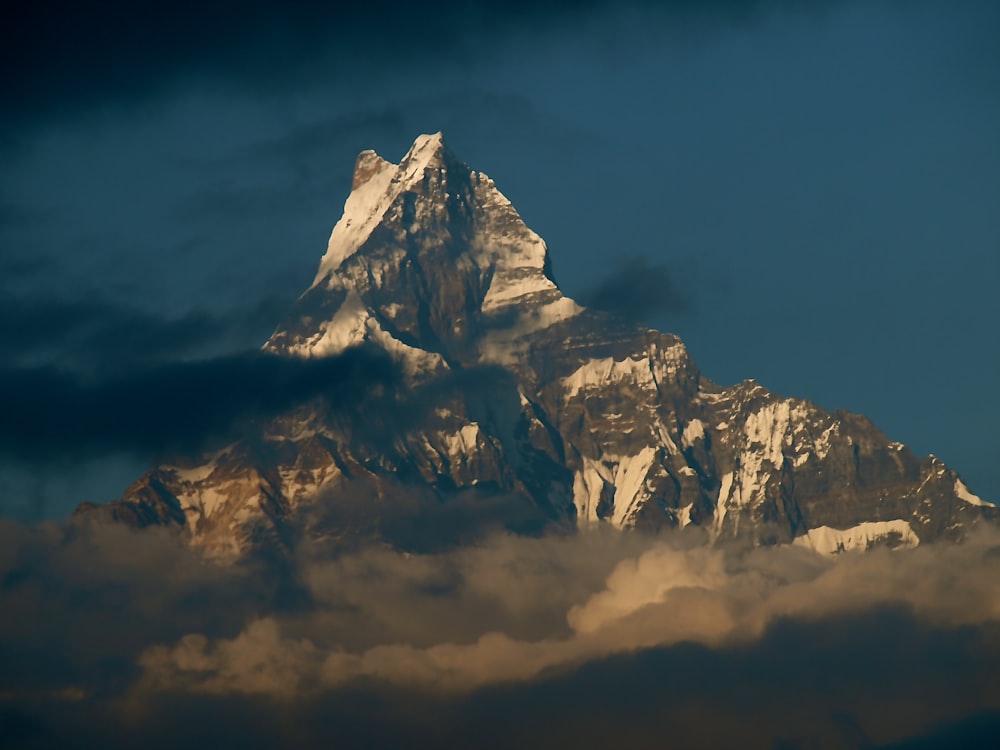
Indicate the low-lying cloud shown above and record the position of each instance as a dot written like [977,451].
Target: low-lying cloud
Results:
[52,413]
[661,597]
[590,637]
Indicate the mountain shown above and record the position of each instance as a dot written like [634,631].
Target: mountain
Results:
[517,405]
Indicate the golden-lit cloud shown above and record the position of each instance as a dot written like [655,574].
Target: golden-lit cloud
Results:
[459,621]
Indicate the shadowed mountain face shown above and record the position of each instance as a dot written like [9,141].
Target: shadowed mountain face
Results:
[516,406]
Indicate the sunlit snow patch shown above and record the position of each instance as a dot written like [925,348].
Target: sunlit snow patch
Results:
[963,494]
[829,541]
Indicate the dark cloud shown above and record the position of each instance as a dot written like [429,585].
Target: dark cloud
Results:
[51,413]
[17,261]
[15,215]
[19,267]
[91,333]
[977,731]
[121,638]
[848,681]
[60,57]
[117,588]
[638,290]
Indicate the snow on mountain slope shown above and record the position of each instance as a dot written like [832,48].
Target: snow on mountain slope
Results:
[829,542]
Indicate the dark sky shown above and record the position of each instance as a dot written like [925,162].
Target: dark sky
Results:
[815,185]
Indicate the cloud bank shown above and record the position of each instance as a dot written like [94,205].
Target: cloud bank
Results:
[589,638]
[662,597]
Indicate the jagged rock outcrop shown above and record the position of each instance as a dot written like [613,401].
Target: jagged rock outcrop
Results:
[513,390]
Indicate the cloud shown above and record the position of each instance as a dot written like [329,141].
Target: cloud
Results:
[87,599]
[645,581]
[59,58]
[95,334]
[637,290]
[171,406]
[589,638]
[663,597]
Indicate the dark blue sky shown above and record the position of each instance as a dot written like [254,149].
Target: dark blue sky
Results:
[819,181]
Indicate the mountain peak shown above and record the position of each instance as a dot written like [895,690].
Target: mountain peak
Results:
[532,397]
[438,239]
[427,150]
[367,165]
[377,184]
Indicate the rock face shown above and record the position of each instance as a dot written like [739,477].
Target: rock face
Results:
[524,394]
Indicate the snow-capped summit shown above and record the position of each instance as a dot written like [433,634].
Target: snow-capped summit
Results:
[515,393]
[376,185]
[426,249]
